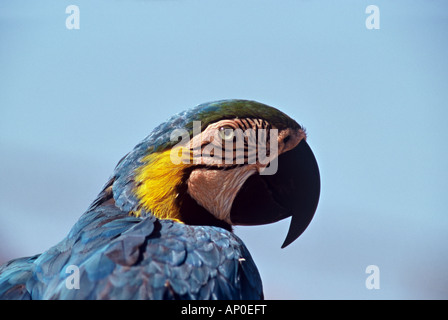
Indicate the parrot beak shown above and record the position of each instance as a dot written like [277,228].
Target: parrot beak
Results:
[305,181]
[293,191]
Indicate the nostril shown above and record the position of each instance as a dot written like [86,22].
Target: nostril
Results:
[286,139]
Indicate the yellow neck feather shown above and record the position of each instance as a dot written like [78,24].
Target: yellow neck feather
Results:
[157,180]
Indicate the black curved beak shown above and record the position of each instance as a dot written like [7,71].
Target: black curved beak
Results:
[292,191]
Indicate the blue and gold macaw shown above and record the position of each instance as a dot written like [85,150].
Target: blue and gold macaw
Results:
[162,229]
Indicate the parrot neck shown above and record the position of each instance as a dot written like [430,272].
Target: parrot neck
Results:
[157,185]
[162,190]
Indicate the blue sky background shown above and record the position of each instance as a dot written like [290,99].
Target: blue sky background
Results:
[374,102]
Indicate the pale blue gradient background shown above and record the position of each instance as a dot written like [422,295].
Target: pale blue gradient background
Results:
[374,102]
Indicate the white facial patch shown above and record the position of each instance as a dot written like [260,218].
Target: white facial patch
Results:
[215,190]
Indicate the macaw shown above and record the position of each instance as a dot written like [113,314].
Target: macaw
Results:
[162,226]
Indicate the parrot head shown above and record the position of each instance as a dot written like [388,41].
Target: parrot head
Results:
[223,163]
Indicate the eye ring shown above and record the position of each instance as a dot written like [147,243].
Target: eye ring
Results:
[226,133]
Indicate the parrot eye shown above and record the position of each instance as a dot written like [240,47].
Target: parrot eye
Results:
[226,133]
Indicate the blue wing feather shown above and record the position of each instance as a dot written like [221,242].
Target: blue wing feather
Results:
[123,257]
